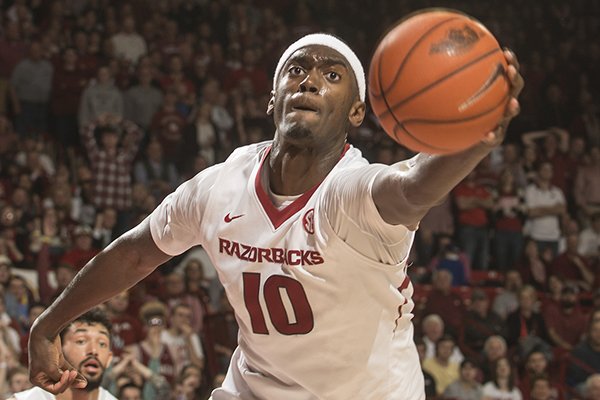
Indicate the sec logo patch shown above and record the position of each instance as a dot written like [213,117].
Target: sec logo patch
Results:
[309,221]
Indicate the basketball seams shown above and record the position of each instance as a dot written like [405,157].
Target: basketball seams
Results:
[402,126]
[403,63]
[424,89]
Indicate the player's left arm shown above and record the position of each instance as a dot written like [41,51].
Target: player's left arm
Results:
[405,197]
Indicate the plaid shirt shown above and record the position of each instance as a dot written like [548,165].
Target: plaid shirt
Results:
[112,175]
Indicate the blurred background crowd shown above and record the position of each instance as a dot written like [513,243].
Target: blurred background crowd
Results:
[106,106]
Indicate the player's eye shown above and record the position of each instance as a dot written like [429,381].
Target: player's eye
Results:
[295,70]
[103,344]
[333,76]
[80,341]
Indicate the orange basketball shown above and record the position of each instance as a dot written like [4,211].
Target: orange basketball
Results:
[437,82]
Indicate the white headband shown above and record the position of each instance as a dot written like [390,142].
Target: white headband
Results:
[332,42]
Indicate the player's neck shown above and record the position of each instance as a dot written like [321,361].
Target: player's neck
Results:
[293,170]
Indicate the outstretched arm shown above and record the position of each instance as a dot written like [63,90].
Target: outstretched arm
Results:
[118,267]
[405,197]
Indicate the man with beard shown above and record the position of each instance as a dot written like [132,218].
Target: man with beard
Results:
[86,346]
[566,322]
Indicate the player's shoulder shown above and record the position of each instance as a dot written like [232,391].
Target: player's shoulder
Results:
[248,152]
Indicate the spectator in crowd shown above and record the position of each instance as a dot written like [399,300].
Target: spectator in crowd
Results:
[541,389]
[546,204]
[126,329]
[143,100]
[128,44]
[526,326]
[16,380]
[32,81]
[130,391]
[101,97]
[466,387]
[443,371]
[155,172]
[509,214]
[183,343]
[534,265]
[433,330]
[112,159]
[554,148]
[502,384]
[83,249]
[151,351]
[105,228]
[566,323]
[584,359]
[168,127]
[494,349]
[452,259]
[589,241]
[592,387]
[430,390]
[13,49]
[442,301]
[508,300]
[175,294]
[536,366]
[480,323]
[572,267]
[68,83]
[473,202]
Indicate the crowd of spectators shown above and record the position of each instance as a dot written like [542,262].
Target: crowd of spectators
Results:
[106,106]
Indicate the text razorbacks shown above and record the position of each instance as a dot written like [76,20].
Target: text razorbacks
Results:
[292,257]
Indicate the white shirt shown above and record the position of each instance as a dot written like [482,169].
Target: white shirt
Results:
[36,393]
[319,318]
[589,243]
[490,390]
[179,349]
[546,227]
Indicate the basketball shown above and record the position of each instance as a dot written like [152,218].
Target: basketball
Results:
[437,82]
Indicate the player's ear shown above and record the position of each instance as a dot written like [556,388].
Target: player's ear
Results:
[271,104]
[357,113]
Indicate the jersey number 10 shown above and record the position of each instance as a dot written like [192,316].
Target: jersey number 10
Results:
[304,320]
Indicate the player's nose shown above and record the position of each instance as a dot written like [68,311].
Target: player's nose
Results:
[311,83]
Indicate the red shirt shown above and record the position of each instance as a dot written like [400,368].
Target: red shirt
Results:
[126,330]
[570,327]
[565,268]
[474,216]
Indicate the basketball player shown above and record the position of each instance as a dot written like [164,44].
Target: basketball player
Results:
[309,240]
[85,345]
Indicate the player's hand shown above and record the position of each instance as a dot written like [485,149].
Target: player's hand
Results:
[513,108]
[48,368]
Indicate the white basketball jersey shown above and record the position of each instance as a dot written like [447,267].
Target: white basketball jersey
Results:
[318,320]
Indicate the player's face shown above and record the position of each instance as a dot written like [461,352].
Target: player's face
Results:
[87,348]
[316,97]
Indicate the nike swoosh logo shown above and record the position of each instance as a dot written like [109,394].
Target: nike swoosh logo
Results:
[229,218]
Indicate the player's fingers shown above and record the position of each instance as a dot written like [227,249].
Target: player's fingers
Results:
[79,381]
[516,81]
[52,385]
[511,58]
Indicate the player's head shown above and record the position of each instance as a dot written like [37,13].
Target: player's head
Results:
[318,90]
[86,346]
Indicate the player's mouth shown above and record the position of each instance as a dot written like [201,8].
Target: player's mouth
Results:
[303,104]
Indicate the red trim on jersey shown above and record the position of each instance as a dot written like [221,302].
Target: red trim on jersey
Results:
[278,217]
